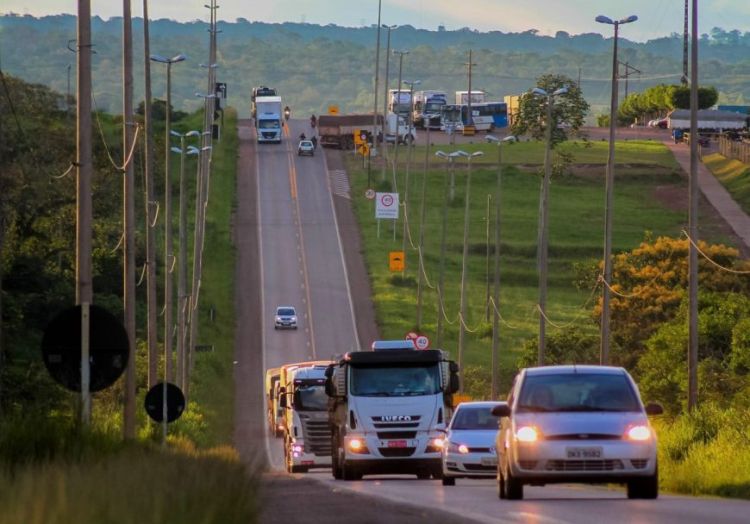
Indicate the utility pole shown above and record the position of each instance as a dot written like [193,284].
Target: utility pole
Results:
[128,196]
[385,103]
[629,70]
[496,287]
[685,46]
[420,268]
[168,254]
[84,216]
[693,221]
[469,116]
[398,102]
[441,273]
[409,152]
[150,204]
[377,72]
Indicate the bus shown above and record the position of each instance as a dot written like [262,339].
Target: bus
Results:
[456,116]
[498,111]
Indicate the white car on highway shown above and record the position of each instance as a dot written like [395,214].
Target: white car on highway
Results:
[286,317]
[576,424]
[469,445]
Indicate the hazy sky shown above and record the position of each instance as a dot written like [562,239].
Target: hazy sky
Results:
[657,17]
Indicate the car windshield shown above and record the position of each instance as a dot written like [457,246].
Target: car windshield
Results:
[474,418]
[312,397]
[577,392]
[390,381]
[305,143]
[268,124]
[285,312]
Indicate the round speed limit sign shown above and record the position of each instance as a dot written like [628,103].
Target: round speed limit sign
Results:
[422,342]
[370,194]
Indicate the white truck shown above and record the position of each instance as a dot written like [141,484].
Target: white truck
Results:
[268,119]
[428,106]
[307,432]
[477,97]
[396,128]
[399,102]
[388,410]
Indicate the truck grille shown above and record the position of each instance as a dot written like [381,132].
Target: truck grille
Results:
[584,465]
[317,435]
[380,423]
[397,434]
[397,452]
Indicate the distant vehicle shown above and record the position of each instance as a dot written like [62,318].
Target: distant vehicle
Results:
[498,111]
[388,408]
[397,129]
[427,108]
[258,92]
[306,147]
[477,97]
[576,424]
[469,444]
[286,317]
[399,102]
[268,119]
[338,130]
[457,116]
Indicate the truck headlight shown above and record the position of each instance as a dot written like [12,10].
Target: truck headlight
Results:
[357,445]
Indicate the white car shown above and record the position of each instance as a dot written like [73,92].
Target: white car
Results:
[576,424]
[469,445]
[306,147]
[286,317]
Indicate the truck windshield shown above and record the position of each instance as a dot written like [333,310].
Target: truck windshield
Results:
[391,381]
[312,398]
[433,107]
[268,124]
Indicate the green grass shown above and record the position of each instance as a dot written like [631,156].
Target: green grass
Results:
[734,175]
[576,235]
[706,453]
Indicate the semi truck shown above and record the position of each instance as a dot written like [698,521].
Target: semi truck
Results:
[399,102]
[388,410]
[274,413]
[307,432]
[338,130]
[268,118]
[257,92]
[428,106]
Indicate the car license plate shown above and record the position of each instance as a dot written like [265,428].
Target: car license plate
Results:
[396,443]
[584,453]
[489,461]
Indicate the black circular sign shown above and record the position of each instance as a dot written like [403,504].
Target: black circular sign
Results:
[154,402]
[108,348]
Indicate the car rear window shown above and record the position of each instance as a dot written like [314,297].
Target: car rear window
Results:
[577,392]
[474,418]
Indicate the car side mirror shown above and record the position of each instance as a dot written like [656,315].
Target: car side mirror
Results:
[652,408]
[501,410]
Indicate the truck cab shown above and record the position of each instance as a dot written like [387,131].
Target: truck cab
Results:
[268,118]
[428,107]
[389,408]
[307,434]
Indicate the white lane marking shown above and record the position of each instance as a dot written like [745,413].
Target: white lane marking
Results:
[340,182]
[341,254]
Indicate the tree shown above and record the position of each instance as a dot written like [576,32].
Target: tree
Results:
[569,109]
[707,97]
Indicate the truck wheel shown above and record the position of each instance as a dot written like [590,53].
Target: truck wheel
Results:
[335,465]
[350,472]
[299,469]
[449,481]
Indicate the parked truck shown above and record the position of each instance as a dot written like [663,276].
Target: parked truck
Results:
[399,102]
[268,118]
[307,432]
[388,409]
[428,106]
[338,130]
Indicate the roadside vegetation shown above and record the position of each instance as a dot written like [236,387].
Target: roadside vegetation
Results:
[649,319]
[51,469]
[734,175]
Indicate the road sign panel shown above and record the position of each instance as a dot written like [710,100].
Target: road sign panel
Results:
[396,261]
[422,342]
[411,335]
[154,402]
[370,194]
[386,205]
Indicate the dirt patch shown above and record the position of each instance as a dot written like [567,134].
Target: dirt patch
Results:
[672,197]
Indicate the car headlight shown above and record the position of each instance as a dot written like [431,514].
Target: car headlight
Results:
[454,447]
[639,433]
[527,434]
[278,319]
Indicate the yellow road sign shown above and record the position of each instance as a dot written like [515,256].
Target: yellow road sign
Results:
[363,149]
[457,399]
[358,137]
[333,110]
[396,261]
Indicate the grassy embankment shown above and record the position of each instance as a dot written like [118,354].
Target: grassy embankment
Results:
[734,175]
[50,472]
[576,220]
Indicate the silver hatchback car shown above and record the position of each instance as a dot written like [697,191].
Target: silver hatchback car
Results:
[576,424]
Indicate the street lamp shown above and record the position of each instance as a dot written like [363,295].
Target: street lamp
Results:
[182,255]
[609,192]
[168,255]
[398,101]
[544,219]
[464,264]
[411,85]
[496,282]
[385,97]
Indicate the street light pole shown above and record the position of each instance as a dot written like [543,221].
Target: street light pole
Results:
[409,149]
[441,273]
[385,102]
[693,220]
[464,269]
[420,267]
[544,222]
[377,73]
[609,191]
[398,101]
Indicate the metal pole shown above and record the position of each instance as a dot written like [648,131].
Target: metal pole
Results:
[469,116]
[441,273]
[608,210]
[693,220]
[409,151]
[543,238]
[685,45]
[420,269]
[496,287]
[182,273]
[84,287]
[128,190]
[168,255]
[385,106]
[398,99]
[464,281]
[377,72]
[487,259]
[148,175]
